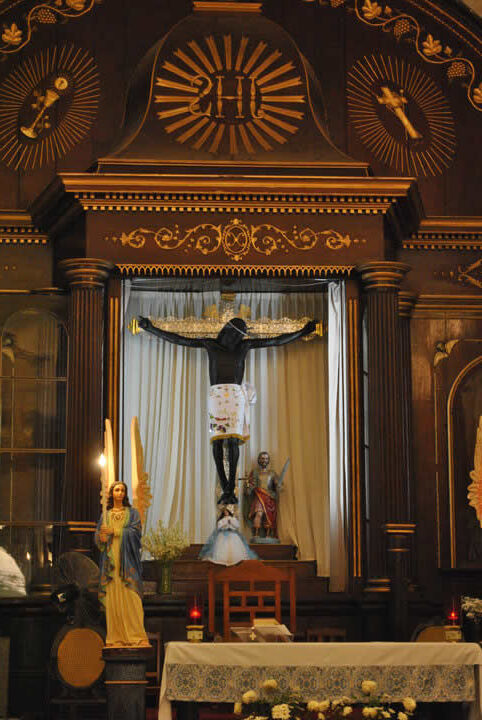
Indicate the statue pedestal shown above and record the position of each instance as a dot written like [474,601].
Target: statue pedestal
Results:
[125,682]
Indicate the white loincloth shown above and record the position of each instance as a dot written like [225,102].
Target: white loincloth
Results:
[228,407]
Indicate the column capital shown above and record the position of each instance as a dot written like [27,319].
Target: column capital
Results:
[86,272]
[406,302]
[382,274]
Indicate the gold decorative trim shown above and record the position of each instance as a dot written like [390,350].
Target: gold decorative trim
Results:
[382,274]
[15,38]
[427,46]
[235,239]
[354,394]
[381,585]
[209,6]
[147,270]
[281,194]
[399,528]
[88,272]
[448,305]
[113,367]
[406,303]
[445,233]
[468,275]
[17,228]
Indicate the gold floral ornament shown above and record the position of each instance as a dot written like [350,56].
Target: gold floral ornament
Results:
[431,46]
[12,35]
[15,38]
[371,10]
[270,702]
[478,94]
[236,239]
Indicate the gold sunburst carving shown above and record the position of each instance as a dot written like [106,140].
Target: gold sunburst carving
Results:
[401,115]
[48,105]
[221,94]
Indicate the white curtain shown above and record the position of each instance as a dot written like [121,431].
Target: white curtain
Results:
[166,386]
[338,434]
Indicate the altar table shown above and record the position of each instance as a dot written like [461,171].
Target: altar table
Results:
[222,672]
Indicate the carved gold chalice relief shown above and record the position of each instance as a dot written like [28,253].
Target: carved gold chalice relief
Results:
[221,93]
[401,115]
[48,105]
[45,101]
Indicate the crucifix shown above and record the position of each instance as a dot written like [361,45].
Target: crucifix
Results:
[227,340]
[395,102]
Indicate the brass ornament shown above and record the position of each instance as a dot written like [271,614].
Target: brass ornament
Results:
[235,239]
[225,94]
[15,37]
[49,104]
[401,115]
[224,270]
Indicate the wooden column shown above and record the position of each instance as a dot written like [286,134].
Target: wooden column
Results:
[406,303]
[86,278]
[388,502]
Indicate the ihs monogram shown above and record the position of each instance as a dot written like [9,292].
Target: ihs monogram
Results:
[230,96]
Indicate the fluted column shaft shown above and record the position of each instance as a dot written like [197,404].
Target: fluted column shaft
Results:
[388,503]
[86,278]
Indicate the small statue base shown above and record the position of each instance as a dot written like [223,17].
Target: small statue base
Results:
[264,540]
[125,681]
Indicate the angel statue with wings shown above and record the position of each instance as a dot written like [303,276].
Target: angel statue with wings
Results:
[118,538]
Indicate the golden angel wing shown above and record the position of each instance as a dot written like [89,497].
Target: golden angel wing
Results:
[109,453]
[141,490]
[474,493]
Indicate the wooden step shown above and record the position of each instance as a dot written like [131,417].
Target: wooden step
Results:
[265,551]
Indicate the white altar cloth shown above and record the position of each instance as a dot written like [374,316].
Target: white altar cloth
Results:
[222,672]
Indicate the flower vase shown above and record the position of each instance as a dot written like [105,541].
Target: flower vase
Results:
[471,630]
[164,578]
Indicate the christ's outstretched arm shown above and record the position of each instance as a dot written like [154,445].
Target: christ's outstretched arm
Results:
[283,339]
[146,325]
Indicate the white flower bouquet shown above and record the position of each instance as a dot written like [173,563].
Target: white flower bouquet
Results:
[165,543]
[472,607]
[269,702]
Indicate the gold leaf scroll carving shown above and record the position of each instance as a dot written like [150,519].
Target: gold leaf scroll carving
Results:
[235,239]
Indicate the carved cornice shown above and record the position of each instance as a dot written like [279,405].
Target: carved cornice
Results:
[444,306]
[397,200]
[150,270]
[406,303]
[86,272]
[219,6]
[17,228]
[444,233]
[382,274]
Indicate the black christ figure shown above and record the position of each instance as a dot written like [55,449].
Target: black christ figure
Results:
[227,359]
